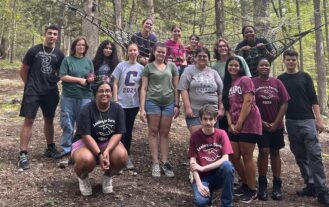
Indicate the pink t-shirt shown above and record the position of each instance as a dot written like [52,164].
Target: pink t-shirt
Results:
[209,148]
[270,95]
[253,122]
[175,52]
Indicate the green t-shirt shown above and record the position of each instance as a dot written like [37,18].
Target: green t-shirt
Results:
[220,67]
[76,67]
[160,88]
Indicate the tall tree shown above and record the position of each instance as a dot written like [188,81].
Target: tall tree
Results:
[150,8]
[245,11]
[326,22]
[89,30]
[13,32]
[301,52]
[261,16]
[319,54]
[219,11]
[117,4]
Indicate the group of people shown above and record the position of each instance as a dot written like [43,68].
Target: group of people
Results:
[229,106]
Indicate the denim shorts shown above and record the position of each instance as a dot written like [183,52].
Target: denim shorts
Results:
[153,108]
[192,121]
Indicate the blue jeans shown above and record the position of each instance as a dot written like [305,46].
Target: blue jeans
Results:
[70,112]
[221,177]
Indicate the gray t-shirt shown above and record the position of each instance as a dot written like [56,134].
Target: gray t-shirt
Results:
[220,67]
[203,86]
[129,77]
[160,87]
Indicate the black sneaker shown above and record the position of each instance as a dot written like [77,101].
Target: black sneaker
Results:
[277,193]
[52,152]
[262,188]
[23,162]
[323,197]
[241,190]
[309,190]
[167,169]
[248,196]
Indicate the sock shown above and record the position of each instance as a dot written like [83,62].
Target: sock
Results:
[23,152]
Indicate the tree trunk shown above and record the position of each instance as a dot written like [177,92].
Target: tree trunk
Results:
[219,11]
[322,85]
[245,12]
[325,8]
[301,52]
[261,16]
[203,16]
[132,16]
[150,8]
[117,17]
[13,33]
[89,30]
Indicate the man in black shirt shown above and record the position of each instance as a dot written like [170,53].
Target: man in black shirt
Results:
[303,122]
[39,72]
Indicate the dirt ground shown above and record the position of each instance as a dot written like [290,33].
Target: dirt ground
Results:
[44,184]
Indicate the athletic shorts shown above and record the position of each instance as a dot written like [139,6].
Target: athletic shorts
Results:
[153,108]
[48,104]
[244,137]
[272,140]
[80,143]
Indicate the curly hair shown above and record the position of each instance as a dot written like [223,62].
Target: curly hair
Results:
[216,53]
[99,58]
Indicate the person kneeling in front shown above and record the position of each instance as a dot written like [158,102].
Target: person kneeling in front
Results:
[97,140]
[209,160]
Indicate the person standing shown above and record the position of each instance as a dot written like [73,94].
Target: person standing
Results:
[303,122]
[39,72]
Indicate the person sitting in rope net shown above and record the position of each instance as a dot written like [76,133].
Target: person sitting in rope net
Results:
[254,48]
[145,40]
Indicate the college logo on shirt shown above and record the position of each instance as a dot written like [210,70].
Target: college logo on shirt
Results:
[234,90]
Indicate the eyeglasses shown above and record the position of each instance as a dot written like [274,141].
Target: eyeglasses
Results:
[106,91]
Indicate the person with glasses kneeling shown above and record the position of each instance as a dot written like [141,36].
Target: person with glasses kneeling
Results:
[97,140]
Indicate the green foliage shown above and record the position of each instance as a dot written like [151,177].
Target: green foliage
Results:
[5,64]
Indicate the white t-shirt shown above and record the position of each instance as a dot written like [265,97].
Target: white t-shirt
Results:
[129,77]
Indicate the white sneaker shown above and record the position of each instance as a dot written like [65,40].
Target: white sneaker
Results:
[107,184]
[156,172]
[85,187]
[130,165]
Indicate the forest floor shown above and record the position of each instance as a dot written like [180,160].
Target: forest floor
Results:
[44,184]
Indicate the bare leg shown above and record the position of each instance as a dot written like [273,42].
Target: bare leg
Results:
[247,150]
[118,159]
[237,162]
[49,129]
[262,162]
[153,133]
[26,133]
[165,123]
[84,161]
[275,163]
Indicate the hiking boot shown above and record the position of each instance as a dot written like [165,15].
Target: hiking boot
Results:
[277,193]
[129,165]
[156,172]
[309,190]
[23,162]
[52,152]
[248,196]
[262,188]
[107,184]
[323,197]
[167,169]
[241,190]
[85,186]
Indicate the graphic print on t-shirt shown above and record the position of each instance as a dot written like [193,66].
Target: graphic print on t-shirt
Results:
[205,82]
[106,127]
[46,67]
[210,152]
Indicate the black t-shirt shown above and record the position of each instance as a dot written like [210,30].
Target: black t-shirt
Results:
[43,70]
[145,45]
[100,125]
[302,95]
[253,55]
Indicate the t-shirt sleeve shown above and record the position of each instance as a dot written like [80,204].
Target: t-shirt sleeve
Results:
[117,72]
[120,126]
[311,90]
[174,69]
[185,79]
[247,86]
[91,66]
[28,58]
[146,70]
[84,124]
[64,69]
[227,147]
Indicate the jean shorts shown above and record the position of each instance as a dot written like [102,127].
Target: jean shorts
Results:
[153,108]
[192,121]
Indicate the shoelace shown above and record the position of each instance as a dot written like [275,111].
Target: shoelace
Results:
[23,157]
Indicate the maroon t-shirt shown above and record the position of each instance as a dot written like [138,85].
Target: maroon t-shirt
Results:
[209,148]
[270,94]
[253,122]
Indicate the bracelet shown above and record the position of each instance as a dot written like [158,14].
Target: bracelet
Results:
[99,154]
[176,105]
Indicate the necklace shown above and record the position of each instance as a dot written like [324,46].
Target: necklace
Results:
[44,51]
[101,112]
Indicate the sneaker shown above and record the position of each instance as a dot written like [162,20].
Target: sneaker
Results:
[262,188]
[241,190]
[23,162]
[52,152]
[156,172]
[107,184]
[309,190]
[130,165]
[167,169]
[248,196]
[85,186]
[323,197]
[65,161]
[277,193]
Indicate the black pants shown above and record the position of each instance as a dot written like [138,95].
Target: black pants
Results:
[130,115]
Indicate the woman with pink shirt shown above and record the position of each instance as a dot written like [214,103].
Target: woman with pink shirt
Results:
[176,49]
